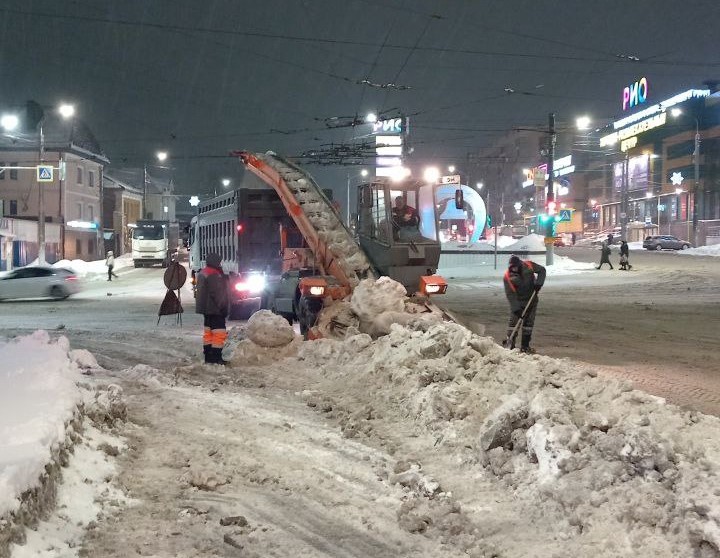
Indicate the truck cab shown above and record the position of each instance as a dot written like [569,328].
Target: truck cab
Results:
[397,229]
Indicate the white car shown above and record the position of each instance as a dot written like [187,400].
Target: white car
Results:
[38,282]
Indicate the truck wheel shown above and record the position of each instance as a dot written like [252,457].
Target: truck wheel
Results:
[289,317]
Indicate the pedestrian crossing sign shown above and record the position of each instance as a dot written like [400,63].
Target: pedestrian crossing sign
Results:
[565,215]
[44,173]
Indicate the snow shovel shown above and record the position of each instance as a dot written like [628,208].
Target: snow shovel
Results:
[508,342]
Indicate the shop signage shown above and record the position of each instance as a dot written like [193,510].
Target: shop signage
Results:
[634,129]
[452,179]
[392,126]
[635,94]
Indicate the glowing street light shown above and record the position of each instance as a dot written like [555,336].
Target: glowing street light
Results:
[431,175]
[194,201]
[66,110]
[582,122]
[675,112]
[371,118]
[161,156]
[364,172]
[451,168]
[9,122]
[479,186]
[226,182]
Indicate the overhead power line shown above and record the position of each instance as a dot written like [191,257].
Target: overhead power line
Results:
[319,40]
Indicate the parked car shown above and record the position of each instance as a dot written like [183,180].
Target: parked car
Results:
[665,242]
[38,282]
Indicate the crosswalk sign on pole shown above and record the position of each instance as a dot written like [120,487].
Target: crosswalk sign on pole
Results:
[44,173]
[565,215]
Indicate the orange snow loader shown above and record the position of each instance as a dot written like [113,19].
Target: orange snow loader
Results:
[331,262]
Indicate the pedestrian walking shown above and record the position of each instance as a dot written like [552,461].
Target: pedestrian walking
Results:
[610,239]
[605,256]
[212,302]
[110,264]
[625,256]
[522,281]
[573,238]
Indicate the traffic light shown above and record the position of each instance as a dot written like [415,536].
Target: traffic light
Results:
[551,207]
[239,228]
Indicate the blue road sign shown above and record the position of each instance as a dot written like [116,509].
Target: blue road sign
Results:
[44,173]
[565,215]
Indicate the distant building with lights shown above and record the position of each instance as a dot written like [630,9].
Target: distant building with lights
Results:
[72,199]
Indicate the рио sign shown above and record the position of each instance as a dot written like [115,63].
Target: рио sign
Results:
[635,94]
[392,126]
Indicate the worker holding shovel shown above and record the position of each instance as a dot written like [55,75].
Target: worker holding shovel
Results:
[522,281]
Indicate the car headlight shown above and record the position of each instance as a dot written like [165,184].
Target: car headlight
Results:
[256,283]
[317,291]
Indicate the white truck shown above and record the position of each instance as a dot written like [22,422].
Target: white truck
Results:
[154,242]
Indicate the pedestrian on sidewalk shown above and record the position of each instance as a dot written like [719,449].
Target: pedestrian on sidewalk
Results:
[605,256]
[110,263]
[212,302]
[625,256]
[522,280]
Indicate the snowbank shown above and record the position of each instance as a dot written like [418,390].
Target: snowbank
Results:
[529,243]
[597,468]
[38,397]
[713,250]
[95,268]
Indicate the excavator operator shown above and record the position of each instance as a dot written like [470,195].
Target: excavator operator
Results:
[404,218]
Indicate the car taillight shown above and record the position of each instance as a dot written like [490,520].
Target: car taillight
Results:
[71,278]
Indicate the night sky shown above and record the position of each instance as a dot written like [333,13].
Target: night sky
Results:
[201,78]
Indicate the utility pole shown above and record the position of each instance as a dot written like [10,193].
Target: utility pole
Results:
[41,199]
[144,211]
[550,198]
[624,196]
[696,187]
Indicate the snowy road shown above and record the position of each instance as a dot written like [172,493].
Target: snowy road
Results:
[657,325]
[300,458]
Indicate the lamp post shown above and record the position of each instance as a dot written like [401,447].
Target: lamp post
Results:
[363,173]
[161,156]
[696,186]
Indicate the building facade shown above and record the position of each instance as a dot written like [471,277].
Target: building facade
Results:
[72,191]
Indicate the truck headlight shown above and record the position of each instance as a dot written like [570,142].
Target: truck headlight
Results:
[317,291]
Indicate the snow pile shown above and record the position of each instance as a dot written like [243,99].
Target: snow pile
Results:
[712,250]
[94,268]
[371,298]
[613,471]
[38,397]
[269,330]
[378,304]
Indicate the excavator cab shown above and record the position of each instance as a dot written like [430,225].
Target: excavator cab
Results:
[397,229]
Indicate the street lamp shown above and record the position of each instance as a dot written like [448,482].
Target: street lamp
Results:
[66,110]
[66,114]
[226,182]
[431,175]
[9,122]
[161,156]
[371,118]
[582,122]
[451,169]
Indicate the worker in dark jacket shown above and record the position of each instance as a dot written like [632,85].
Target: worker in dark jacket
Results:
[212,303]
[521,280]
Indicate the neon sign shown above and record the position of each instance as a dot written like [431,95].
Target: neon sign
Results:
[392,126]
[635,94]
